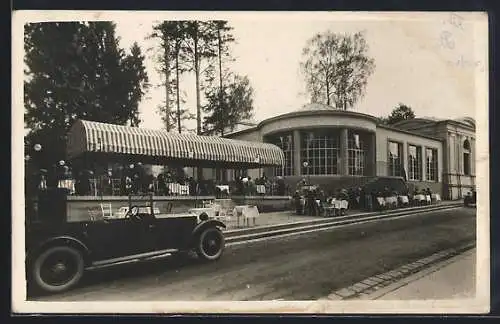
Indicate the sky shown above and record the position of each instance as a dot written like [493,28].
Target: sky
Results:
[427,62]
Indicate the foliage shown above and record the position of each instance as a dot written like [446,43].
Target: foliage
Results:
[401,112]
[225,109]
[336,68]
[198,48]
[171,122]
[172,64]
[77,70]
[192,46]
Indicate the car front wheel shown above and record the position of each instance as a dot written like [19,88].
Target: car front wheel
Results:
[57,269]
[211,244]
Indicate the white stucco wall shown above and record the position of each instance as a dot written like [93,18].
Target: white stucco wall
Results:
[384,135]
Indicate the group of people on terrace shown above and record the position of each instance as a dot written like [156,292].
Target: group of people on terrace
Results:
[246,186]
[134,179]
[313,201]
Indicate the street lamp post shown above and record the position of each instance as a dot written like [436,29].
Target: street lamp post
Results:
[34,159]
[257,160]
[306,165]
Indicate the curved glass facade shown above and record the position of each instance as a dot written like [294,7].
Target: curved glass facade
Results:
[323,151]
[356,154]
[285,142]
[320,149]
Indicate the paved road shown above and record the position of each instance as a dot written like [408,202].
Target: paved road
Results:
[302,267]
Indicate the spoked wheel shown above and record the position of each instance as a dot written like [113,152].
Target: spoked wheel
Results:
[57,269]
[211,244]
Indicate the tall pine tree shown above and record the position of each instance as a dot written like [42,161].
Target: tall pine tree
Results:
[172,64]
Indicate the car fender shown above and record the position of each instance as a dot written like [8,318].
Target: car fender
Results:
[204,225]
[61,240]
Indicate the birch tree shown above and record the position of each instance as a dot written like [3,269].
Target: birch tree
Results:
[336,68]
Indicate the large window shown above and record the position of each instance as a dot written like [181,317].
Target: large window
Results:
[467,155]
[414,162]
[320,149]
[431,164]
[356,155]
[285,142]
[395,159]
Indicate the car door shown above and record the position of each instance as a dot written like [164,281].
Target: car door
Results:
[114,238]
[173,231]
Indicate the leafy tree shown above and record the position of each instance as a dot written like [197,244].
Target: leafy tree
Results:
[401,112]
[77,70]
[236,105]
[336,68]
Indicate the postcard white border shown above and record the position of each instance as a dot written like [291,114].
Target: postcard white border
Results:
[480,304]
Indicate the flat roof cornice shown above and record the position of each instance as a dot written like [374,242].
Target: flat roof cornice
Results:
[409,132]
[329,112]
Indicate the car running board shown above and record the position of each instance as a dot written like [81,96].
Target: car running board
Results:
[130,258]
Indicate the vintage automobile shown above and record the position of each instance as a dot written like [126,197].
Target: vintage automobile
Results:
[470,199]
[59,251]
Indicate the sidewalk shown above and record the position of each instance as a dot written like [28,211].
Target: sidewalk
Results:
[287,217]
[272,218]
[451,279]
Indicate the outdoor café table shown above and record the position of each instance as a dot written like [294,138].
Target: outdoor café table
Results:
[436,197]
[178,189]
[391,201]
[335,205]
[208,210]
[247,212]
[420,198]
[329,211]
[223,188]
[404,200]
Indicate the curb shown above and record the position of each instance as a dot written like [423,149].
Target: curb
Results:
[376,286]
[297,228]
[267,228]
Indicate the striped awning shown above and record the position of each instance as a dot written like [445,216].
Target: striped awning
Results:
[88,136]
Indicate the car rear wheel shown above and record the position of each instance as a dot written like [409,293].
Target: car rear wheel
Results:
[210,244]
[57,269]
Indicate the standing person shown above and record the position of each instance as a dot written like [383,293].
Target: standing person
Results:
[374,195]
[42,179]
[322,202]
[386,193]
[192,186]
[298,203]
[362,198]
[369,198]
[150,183]
[161,184]
[311,203]
[106,183]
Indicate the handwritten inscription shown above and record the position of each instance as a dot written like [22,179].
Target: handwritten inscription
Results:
[446,37]
[447,40]
[456,20]
[463,62]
